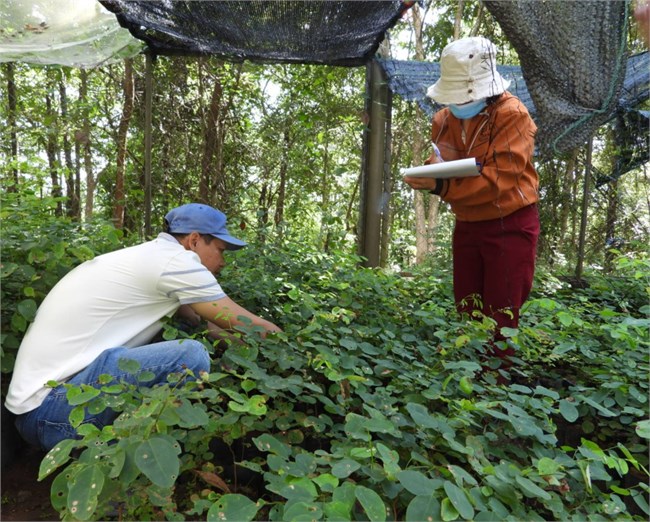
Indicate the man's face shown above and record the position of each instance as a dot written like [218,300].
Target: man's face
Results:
[211,253]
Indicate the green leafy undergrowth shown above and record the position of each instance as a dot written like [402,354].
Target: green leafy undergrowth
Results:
[378,402]
[39,248]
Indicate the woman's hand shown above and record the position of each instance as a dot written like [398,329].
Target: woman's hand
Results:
[418,183]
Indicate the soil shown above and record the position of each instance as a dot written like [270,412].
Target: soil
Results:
[24,498]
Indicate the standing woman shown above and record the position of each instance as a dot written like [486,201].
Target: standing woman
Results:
[497,223]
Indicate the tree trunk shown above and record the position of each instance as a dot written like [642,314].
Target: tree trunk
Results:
[617,138]
[122,134]
[210,145]
[72,197]
[566,196]
[325,228]
[52,142]
[459,18]
[282,189]
[387,218]
[11,123]
[83,138]
[476,30]
[426,206]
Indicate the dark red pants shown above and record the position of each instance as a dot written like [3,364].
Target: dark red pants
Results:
[494,264]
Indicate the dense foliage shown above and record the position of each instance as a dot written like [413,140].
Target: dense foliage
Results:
[377,402]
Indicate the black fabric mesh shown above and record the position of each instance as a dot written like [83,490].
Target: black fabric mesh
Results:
[280,31]
[410,80]
[633,135]
[573,58]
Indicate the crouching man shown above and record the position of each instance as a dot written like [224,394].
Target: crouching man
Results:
[111,307]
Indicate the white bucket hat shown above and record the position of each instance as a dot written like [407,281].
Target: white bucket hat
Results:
[468,72]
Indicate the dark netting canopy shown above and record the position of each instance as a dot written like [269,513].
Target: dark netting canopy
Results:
[410,80]
[573,57]
[280,31]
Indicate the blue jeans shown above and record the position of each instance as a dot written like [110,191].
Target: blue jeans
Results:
[48,424]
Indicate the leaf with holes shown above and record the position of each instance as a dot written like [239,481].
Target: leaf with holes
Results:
[233,507]
[83,492]
[157,458]
[58,455]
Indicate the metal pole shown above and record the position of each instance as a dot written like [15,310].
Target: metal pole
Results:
[148,97]
[373,173]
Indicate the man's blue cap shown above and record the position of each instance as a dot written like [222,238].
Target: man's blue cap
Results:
[195,217]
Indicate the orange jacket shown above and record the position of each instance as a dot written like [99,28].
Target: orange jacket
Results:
[502,139]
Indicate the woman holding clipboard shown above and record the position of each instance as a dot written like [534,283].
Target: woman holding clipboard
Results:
[497,223]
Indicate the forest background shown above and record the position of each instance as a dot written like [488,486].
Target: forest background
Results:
[278,148]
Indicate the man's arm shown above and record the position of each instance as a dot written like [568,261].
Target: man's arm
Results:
[225,313]
[215,332]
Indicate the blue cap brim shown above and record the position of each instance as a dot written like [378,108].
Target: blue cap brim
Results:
[231,242]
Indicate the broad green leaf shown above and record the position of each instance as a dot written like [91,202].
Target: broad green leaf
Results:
[59,490]
[76,396]
[459,499]
[158,459]
[531,489]
[563,348]
[191,415]
[18,323]
[58,455]
[448,511]
[303,511]
[146,376]
[337,511]
[541,390]
[565,318]
[416,482]
[422,508]
[546,466]
[345,468]
[27,309]
[642,429]
[326,482]
[270,444]
[83,492]
[604,411]
[390,458]
[372,503]
[356,426]
[128,365]
[461,476]
[234,507]
[299,489]
[642,501]
[569,410]
[257,405]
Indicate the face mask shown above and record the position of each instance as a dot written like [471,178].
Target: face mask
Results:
[468,110]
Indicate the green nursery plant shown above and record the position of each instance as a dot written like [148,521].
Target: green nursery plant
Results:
[39,248]
[375,404]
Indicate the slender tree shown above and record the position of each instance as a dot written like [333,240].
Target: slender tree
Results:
[11,124]
[52,134]
[120,172]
